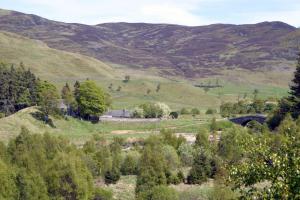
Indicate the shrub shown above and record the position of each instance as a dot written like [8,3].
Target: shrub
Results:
[130,164]
[155,110]
[102,194]
[138,112]
[159,192]
[211,111]
[171,156]
[112,176]
[174,115]
[186,152]
[184,111]
[195,111]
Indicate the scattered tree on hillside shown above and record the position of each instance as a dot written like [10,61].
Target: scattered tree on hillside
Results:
[158,87]
[126,79]
[148,91]
[119,88]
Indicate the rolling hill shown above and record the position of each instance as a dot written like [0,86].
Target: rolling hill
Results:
[51,64]
[190,52]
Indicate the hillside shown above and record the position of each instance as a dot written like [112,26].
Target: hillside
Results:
[174,50]
[51,64]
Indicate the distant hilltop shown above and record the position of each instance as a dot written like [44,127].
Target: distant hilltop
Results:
[173,49]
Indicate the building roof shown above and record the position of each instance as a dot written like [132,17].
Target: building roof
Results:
[119,113]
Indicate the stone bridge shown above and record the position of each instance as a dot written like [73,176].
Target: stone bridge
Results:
[243,120]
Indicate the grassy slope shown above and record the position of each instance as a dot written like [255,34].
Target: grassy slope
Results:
[48,63]
[59,67]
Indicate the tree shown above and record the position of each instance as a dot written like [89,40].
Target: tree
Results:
[290,104]
[47,97]
[91,99]
[255,93]
[184,111]
[31,185]
[195,111]
[158,87]
[130,163]
[119,88]
[186,152]
[8,188]
[69,178]
[270,160]
[67,95]
[148,91]
[152,166]
[201,169]
[126,79]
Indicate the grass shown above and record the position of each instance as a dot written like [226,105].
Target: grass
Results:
[79,131]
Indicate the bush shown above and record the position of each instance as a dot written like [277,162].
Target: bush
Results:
[155,110]
[102,194]
[112,176]
[186,152]
[211,111]
[170,156]
[184,111]
[174,115]
[201,169]
[130,164]
[2,115]
[138,112]
[221,193]
[159,192]
[195,111]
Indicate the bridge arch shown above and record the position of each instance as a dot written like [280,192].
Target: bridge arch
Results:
[244,120]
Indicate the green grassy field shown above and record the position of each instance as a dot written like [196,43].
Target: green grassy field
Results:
[79,131]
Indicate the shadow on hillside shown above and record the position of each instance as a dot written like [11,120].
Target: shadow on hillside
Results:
[38,115]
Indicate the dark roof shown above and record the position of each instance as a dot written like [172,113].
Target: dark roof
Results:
[119,113]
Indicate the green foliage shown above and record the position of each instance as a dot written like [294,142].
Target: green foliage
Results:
[229,147]
[130,163]
[174,115]
[256,107]
[220,192]
[270,169]
[112,176]
[159,193]
[171,157]
[126,79]
[202,139]
[18,88]
[155,110]
[69,178]
[211,111]
[92,101]
[8,188]
[44,167]
[184,111]
[186,153]
[31,185]
[102,194]
[170,138]
[152,166]
[201,169]
[47,97]
[195,111]
[67,95]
